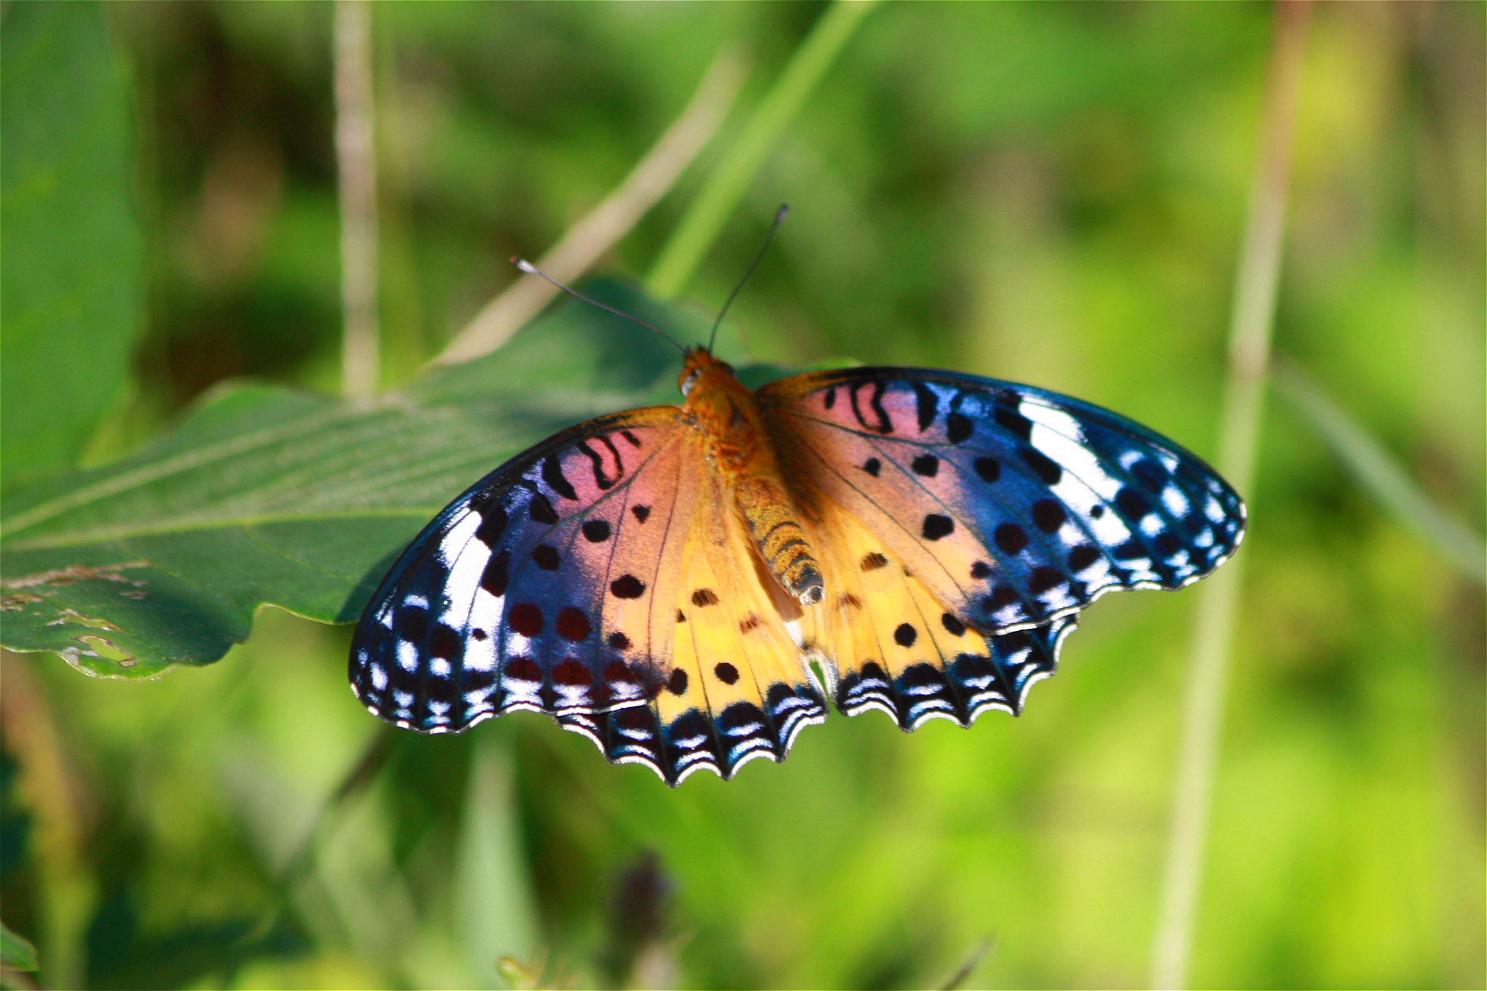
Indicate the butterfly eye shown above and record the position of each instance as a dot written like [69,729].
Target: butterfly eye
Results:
[689,381]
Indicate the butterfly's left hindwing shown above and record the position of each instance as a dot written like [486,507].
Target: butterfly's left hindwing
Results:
[535,589]
[1015,506]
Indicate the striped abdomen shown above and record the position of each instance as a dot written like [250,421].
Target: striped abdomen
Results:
[781,542]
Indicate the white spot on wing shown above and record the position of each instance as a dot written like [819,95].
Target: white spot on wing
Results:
[463,580]
[1054,419]
[454,542]
[480,655]
[1175,501]
[1075,458]
[1109,530]
[486,613]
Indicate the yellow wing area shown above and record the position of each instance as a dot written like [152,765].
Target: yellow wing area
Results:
[737,686]
[893,646]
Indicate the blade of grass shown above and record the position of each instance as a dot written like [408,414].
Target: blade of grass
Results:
[494,895]
[612,219]
[1251,327]
[356,162]
[1381,475]
[724,187]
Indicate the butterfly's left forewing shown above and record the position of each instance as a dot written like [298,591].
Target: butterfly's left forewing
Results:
[539,588]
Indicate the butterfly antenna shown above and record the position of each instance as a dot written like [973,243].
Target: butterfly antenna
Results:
[779,218]
[531,269]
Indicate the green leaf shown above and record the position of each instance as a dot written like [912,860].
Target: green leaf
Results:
[70,284]
[267,495]
[16,952]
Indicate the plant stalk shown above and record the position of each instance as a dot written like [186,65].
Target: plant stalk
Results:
[1251,328]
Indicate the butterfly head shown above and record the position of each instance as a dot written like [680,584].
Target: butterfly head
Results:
[700,368]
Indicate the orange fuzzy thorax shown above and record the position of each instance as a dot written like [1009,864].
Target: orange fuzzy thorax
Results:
[723,410]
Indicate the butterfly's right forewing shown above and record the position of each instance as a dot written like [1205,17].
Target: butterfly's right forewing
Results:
[536,589]
[1016,505]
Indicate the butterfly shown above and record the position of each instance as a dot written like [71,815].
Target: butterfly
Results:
[668,580]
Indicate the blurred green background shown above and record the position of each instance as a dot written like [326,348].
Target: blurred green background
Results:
[1047,193]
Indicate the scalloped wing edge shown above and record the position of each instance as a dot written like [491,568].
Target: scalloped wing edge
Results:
[968,686]
[694,741]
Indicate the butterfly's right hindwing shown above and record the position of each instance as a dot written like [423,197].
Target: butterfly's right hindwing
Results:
[535,588]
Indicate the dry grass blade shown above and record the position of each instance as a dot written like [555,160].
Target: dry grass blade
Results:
[1250,333]
[588,239]
[356,161]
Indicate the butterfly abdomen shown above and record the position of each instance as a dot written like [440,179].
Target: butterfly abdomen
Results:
[724,410]
[781,542]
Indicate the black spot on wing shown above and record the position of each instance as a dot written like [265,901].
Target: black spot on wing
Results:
[958,428]
[552,474]
[926,404]
[1013,422]
[496,577]
[627,587]
[937,526]
[540,509]
[493,521]
[1043,466]
[870,414]
[603,477]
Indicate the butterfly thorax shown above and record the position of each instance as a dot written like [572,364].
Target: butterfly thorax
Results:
[726,415]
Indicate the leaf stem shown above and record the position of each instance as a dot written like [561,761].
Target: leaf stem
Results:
[1251,327]
[724,187]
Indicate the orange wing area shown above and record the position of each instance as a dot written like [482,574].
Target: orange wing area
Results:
[895,647]
[737,686]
